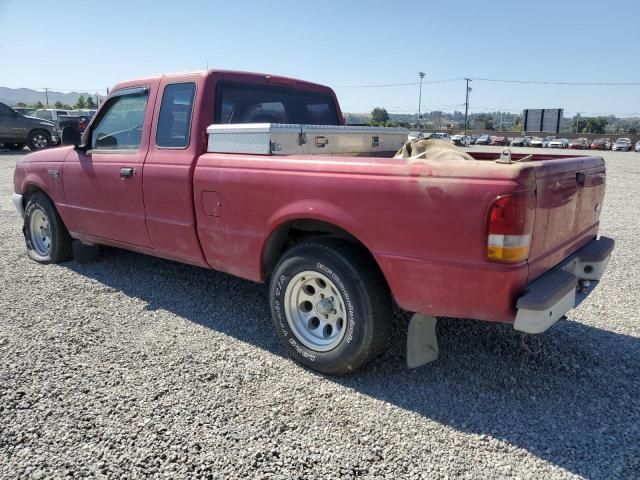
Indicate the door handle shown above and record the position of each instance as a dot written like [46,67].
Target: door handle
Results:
[126,172]
[580,178]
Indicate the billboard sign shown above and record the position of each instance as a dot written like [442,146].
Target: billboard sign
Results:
[542,120]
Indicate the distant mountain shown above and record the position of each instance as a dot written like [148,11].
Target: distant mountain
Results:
[11,96]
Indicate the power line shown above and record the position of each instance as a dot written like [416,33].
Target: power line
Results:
[574,84]
[412,84]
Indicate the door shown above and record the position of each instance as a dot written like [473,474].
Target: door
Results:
[103,184]
[13,126]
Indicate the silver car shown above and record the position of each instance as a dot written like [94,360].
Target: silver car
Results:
[622,144]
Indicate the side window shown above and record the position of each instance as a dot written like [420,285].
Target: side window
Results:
[5,111]
[120,128]
[174,121]
[44,114]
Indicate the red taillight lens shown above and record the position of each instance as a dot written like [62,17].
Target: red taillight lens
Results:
[509,227]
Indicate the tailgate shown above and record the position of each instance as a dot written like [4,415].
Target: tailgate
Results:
[569,194]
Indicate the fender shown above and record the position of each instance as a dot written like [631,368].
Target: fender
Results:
[306,210]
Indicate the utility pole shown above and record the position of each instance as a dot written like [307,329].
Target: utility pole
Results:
[422,75]
[466,106]
[46,94]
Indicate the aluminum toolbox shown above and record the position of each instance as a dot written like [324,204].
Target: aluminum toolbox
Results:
[288,139]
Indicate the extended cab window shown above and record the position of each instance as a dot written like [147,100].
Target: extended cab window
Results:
[174,121]
[120,127]
[246,103]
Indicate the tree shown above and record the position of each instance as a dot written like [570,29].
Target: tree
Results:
[59,104]
[39,104]
[81,103]
[90,103]
[484,121]
[379,116]
[592,124]
[21,104]
[633,131]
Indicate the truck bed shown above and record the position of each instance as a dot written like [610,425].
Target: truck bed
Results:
[375,201]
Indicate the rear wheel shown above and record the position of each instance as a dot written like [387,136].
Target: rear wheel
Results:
[330,305]
[46,237]
[38,139]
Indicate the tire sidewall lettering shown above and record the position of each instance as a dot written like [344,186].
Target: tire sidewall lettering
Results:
[351,322]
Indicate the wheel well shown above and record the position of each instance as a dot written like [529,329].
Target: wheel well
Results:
[31,132]
[30,190]
[293,232]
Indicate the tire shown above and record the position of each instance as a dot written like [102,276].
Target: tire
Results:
[45,235]
[330,305]
[15,146]
[38,140]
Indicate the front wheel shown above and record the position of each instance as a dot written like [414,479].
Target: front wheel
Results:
[38,140]
[46,237]
[330,305]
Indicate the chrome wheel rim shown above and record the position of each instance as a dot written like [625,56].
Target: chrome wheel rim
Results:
[315,311]
[40,141]
[40,232]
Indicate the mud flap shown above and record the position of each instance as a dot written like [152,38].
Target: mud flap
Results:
[422,343]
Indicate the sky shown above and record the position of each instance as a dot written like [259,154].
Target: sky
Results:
[348,45]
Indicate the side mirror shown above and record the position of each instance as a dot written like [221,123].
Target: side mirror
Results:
[71,136]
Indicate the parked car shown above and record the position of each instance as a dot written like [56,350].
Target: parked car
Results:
[520,142]
[50,114]
[637,149]
[443,136]
[622,144]
[78,122]
[298,220]
[559,143]
[461,140]
[26,111]
[17,130]
[419,135]
[83,112]
[601,144]
[499,141]
[579,143]
[483,140]
[537,142]
[541,141]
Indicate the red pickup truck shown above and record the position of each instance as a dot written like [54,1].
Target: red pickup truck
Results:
[337,236]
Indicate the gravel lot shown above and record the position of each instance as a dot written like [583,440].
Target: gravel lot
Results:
[134,367]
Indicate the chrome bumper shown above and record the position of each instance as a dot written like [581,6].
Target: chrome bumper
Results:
[550,297]
[17,201]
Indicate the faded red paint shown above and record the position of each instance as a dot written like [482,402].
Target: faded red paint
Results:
[424,222]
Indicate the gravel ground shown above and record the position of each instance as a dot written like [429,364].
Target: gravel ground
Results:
[135,367]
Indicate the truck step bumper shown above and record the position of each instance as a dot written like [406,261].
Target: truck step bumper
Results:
[547,299]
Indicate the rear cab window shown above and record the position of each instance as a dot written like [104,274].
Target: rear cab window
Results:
[252,103]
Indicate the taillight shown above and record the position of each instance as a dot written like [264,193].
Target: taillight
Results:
[509,227]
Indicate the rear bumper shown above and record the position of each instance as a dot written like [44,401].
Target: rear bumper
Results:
[550,297]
